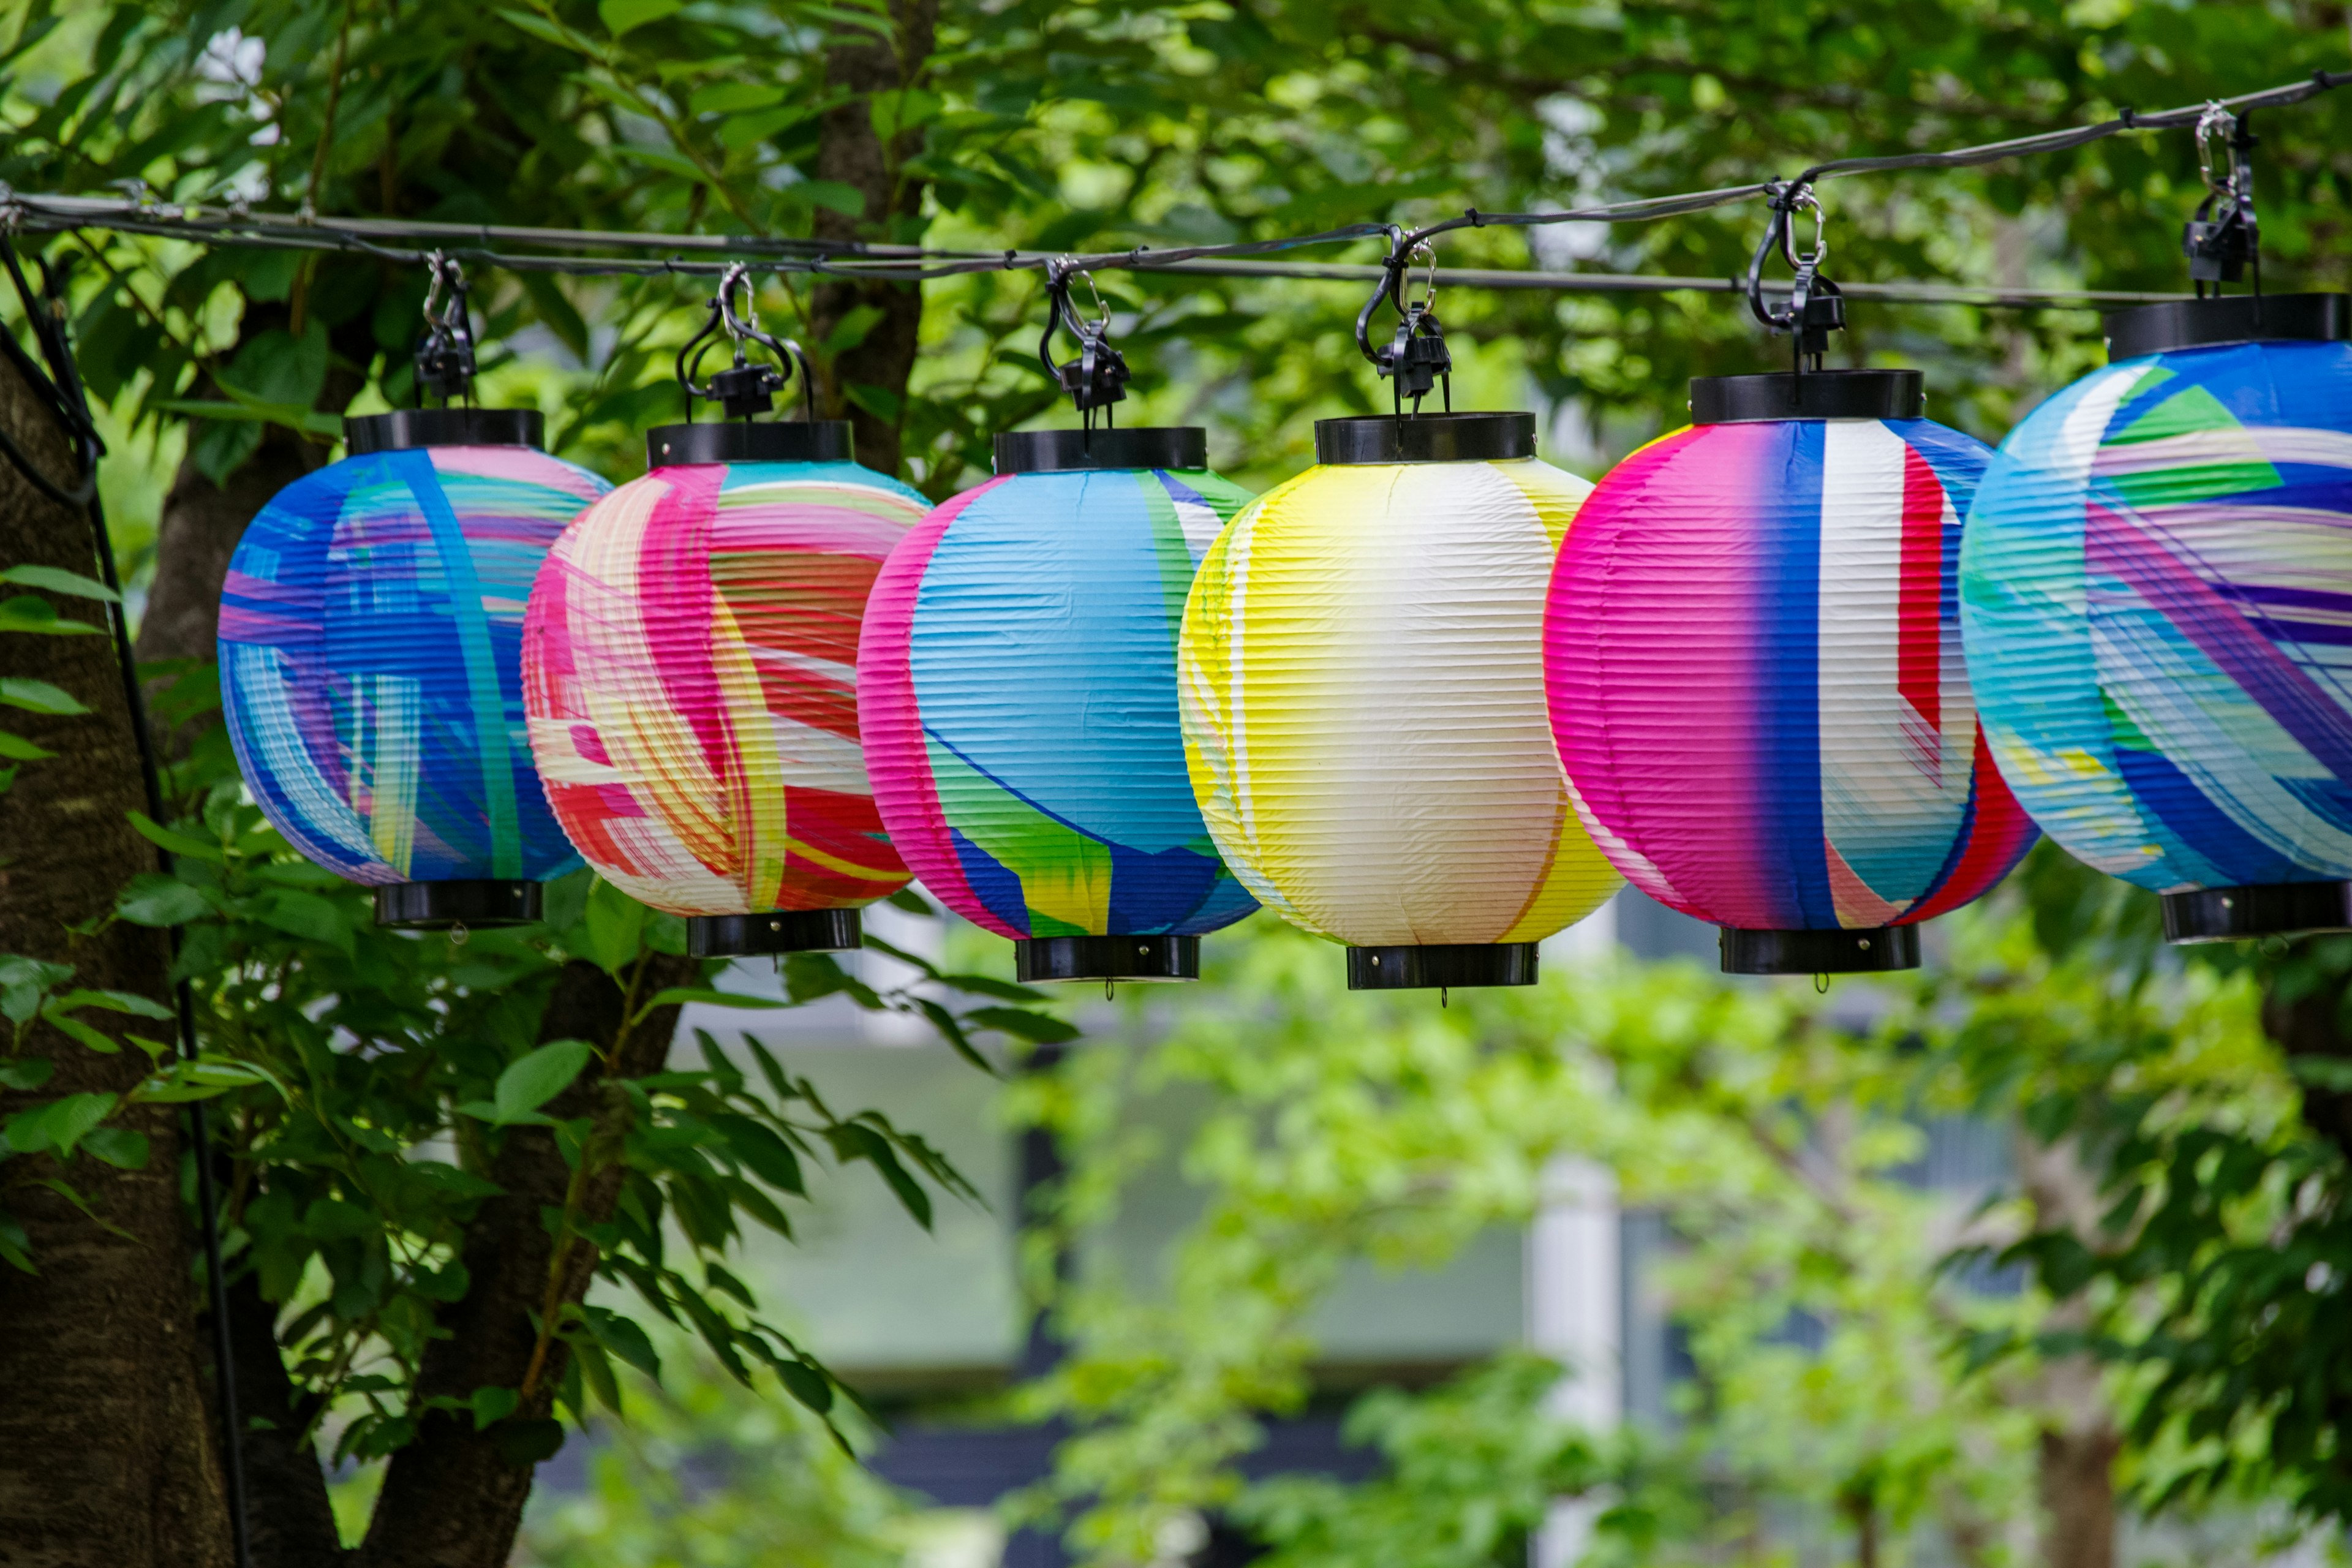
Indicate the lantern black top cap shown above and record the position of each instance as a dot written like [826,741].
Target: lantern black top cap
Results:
[1426,438]
[742,389]
[1814,394]
[741,441]
[406,428]
[1142,447]
[2230,319]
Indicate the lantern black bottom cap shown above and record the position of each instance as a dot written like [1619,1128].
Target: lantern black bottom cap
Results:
[1441,965]
[2270,908]
[438,906]
[1820,951]
[1049,958]
[774,931]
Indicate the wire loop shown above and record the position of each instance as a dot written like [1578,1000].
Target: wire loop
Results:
[1097,377]
[1416,361]
[742,389]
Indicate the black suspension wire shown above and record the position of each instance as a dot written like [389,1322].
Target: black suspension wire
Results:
[696,255]
[60,388]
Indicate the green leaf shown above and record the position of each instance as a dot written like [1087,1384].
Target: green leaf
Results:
[38,696]
[175,841]
[204,1079]
[75,1029]
[26,1072]
[493,1403]
[31,612]
[307,916]
[596,1367]
[951,1031]
[58,1125]
[761,1148]
[625,1338]
[58,580]
[115,1002]
[852,1141]
[534,1079]
[116,1146]
[550,32]
[806,1383]
[18,749]
[1042,1027]
[525,1442]
[622,17]
[681,996]
[154,900]
[15,1247]
[615,926]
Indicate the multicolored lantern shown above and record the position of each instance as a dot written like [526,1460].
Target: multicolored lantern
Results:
[370,661]
[1364,704]
[689,669]
[1754,660]
[1016,685]
[2156,595]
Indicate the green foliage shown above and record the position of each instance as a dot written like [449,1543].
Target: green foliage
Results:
[700,1476]
[1776,1135]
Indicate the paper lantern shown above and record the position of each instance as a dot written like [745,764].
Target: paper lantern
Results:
[1364,704]
[1017,686]
[370,661]
[689,669]
[1754,656]
[2157,593]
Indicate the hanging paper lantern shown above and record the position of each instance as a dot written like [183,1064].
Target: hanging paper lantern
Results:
[1017,687]
[690,669]
[370,661]
[1364,704]
[1754,657]
[2157,593]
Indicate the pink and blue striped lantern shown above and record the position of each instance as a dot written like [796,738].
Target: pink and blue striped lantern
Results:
[1753,661]
[370,662]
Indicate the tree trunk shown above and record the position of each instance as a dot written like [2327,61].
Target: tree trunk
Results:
[2078,1497]
[107,1457]
[851,151]
[452,1499]
[2079,1441]
[291,1521]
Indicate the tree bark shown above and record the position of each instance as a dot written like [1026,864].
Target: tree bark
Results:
[291,1522]
[852,152]
[107,1453]
[451,1499]
[2078,1497]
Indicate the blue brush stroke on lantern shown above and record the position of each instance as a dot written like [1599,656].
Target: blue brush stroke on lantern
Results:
[2125,566]
[370,651]
[1043,659]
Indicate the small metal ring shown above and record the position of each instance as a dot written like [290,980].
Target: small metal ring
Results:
[1428,253]
[2214,119]
[1102,311]
[1803,200]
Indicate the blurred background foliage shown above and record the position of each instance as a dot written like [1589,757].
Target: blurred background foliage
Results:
[2170,1260]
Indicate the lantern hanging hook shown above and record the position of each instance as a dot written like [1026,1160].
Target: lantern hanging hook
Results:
[743,389]
[1816,308]
[1099,375]
[1416,362]
[444,357]
[2222,239]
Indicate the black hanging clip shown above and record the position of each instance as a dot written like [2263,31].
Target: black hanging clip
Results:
[742,389]
[1416,361]
[2223,237]
[1816,308]
[445,353]
[1097,376]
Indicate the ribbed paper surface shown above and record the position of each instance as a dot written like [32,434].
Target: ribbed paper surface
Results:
[2158,598]
[1364,704]
[370,643]
[1754,655]
[1017,684]
[690,667]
